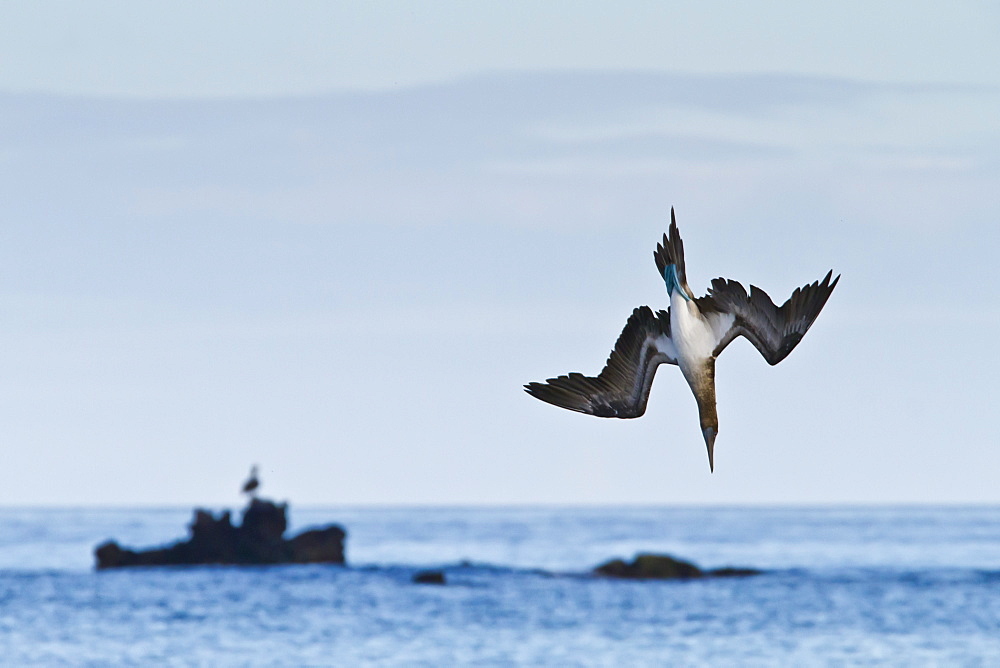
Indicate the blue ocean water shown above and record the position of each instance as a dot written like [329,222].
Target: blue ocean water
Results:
[843,586]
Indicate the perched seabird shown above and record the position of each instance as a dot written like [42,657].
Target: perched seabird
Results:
[252,482]
[691,334]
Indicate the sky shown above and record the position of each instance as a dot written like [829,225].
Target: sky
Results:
[335,239]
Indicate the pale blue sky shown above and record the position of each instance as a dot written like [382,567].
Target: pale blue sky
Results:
[336,239]
[191,48]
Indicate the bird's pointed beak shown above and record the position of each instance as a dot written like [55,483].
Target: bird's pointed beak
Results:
[710,434]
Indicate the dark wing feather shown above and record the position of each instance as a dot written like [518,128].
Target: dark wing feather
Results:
[671,251]
[773,330]
[622,388]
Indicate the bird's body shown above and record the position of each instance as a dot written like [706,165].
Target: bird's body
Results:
[691,335]
[252,483]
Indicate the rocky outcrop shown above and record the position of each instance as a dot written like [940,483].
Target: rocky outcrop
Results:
[664,567]
[259,539]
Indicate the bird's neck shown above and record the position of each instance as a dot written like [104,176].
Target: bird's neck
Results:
[702,382]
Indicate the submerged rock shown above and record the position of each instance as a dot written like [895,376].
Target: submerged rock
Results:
[664,567]
[731,572]
[258,540]
[429,577]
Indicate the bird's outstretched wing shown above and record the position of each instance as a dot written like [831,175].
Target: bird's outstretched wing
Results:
[622,388]
[773,330]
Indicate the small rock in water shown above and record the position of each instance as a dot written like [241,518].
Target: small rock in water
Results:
[650,566]
[429,577]
[664,567]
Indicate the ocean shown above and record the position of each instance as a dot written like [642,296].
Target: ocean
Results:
[841,586]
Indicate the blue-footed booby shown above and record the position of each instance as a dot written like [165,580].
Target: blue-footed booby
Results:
[252,483]
[691,333]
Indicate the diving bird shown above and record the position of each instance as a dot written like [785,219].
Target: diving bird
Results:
[692,333]
[252,483]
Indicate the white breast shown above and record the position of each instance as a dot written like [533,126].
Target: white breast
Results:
[693,336]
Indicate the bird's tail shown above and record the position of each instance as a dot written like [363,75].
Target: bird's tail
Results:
[671,252]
